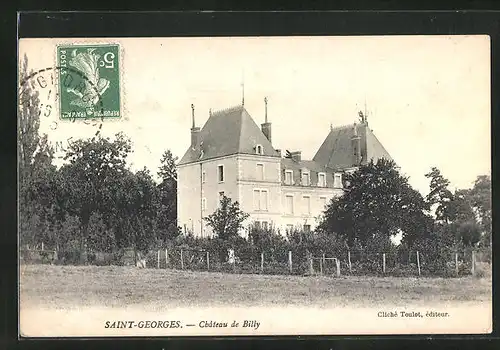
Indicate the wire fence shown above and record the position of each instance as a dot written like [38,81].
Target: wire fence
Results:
[447,262]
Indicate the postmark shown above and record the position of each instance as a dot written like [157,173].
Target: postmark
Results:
[97,83]
[44,83]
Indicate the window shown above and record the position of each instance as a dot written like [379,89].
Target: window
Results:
[220,169]
[307,205]
[203,177]
[307,228]
[259,149]
[256,200]
[204,204]
[263,200]
[257,225]
[260,172]
[264,225]
[321,179]
[305,178]
[260,200]
[337,180]
[288,177]
[289,204]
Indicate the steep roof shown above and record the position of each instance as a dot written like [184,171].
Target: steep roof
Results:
[229,131]
[336,150]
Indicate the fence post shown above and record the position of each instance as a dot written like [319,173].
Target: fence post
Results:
[383,262]
[324,260]
[456,263]
[182,261]
[262,262]
[42,246]
[473,267]
[311,268]
[337,262]
[290,260]
[208,260]
[321,266]
[166,258]
[349,260]
[158,259]
[418,262]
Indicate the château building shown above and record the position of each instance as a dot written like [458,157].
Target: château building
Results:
[232,156]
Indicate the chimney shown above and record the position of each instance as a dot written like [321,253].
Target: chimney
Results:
[266,127]
[195,132]
[296,156]
[278,151]
[356,146]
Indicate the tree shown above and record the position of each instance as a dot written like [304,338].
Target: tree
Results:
[468,232]
[227,220]
[167,211]
[439,196]
[480,199]
[95,168]
[378,203]
[460,207]
[135,214]
[35,167]
[167,170]
[34,151]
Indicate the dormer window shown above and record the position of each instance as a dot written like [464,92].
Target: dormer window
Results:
[337,180]
[259,149]
[321,180]
[305,178]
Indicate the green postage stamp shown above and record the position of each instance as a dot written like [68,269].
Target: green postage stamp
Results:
[89,81]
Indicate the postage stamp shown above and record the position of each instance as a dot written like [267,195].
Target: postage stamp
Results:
[98,80]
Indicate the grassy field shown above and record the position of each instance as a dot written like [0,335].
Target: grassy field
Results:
[66,287]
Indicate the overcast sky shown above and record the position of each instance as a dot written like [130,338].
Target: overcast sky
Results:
[428,97]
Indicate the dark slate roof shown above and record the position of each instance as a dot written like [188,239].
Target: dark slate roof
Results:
[229,131]
[336,150]
[313,167]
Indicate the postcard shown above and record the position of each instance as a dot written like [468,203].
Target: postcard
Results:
[224,186]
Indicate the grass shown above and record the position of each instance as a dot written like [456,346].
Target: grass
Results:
[63,287]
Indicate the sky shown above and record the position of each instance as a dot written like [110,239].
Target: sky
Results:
[427,97]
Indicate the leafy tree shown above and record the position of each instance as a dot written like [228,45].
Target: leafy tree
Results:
[460,207]
[34,164]
[459,210]
[378,203]
[227,220]
[133,214]
[100,238]
[167,211]
[167,170]
[468,232]
[439,196]
[95,167]
[480,198]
